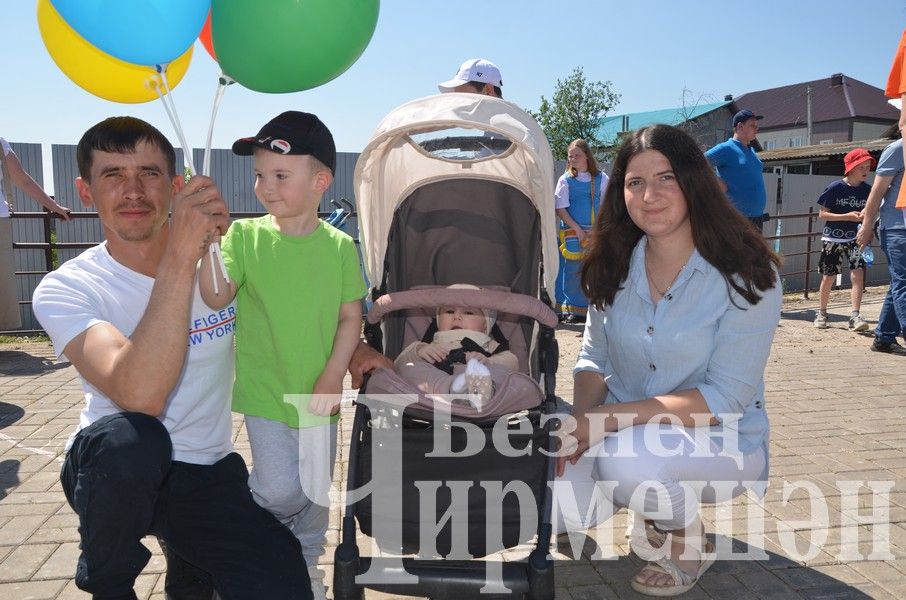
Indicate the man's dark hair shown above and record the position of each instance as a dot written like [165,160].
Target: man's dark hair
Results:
[120,135]
[479,87]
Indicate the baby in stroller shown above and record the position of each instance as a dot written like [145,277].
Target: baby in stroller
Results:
[461,350]
[462,356]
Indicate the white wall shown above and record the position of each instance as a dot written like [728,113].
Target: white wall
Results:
[781,137]
[868,131]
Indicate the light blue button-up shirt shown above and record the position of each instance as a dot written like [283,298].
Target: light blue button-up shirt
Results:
[694,337]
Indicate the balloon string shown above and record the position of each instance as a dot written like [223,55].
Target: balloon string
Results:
[174,119]
[163,101]
[222,82]
[215,256]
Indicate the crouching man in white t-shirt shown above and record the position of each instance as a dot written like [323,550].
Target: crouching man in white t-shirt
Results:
[152,453]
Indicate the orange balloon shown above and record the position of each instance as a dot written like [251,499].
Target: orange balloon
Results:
[205,37]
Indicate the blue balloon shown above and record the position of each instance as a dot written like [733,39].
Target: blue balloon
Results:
[142,32]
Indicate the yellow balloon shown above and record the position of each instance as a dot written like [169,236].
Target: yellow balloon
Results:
[98,72]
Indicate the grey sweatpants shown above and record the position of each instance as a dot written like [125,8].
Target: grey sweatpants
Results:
[283,458]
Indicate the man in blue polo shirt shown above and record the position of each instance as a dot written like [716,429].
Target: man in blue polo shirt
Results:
[739,168]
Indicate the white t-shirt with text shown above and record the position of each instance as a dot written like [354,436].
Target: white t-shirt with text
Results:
[94,288]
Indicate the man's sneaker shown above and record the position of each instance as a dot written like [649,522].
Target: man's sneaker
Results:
[821,321]
[888,347]
[857,323]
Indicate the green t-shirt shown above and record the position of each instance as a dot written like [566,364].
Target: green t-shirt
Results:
[290,289]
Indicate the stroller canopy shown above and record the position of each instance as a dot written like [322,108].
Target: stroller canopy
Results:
[402,156]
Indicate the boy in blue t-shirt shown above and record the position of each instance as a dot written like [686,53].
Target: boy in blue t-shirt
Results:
[841,208]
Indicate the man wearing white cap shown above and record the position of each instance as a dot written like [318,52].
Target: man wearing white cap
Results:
[476,75]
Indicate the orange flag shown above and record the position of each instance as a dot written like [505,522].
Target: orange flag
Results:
[896,88]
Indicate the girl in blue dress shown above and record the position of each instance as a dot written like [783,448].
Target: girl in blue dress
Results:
[578,197]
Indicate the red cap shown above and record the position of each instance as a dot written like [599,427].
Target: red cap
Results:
[856,157]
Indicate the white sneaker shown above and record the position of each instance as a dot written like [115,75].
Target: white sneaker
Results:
[857,323]
[821,321]
[318,591]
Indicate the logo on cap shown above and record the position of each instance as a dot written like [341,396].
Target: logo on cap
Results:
[281,146]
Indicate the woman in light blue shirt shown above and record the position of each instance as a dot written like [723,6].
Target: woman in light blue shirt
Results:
[669,385]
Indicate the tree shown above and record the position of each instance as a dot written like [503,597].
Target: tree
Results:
[690,103]
[575,111]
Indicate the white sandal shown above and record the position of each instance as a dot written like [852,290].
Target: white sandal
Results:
[682,581]
[650,544]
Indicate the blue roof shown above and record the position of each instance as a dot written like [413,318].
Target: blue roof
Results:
[610,127]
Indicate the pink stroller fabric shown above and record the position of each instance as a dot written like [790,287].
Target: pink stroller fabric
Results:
[514,391]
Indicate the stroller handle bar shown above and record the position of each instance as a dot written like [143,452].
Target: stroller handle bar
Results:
[505,302]
[343,204]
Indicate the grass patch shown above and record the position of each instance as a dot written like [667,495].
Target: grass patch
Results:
[54,255]
[22,339]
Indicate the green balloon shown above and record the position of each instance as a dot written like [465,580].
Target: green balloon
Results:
[290,45]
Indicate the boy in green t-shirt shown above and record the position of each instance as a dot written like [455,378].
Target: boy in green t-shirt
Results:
[297,284]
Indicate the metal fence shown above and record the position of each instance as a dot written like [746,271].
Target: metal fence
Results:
[41,242]
[800,253]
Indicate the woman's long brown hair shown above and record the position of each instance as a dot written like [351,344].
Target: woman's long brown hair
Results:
[721,234]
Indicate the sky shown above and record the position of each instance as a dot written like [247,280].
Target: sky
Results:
[650,51]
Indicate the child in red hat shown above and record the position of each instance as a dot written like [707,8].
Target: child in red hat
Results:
[841,208]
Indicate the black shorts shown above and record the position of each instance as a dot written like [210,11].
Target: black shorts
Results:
[833,252]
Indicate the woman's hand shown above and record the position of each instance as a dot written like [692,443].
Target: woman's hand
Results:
[62,212]
[581,235]
[572,445]
[432,352]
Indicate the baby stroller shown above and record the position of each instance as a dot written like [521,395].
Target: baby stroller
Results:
[453,189]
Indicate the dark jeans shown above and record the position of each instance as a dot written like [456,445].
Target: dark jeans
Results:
[184,581]
[892,320]
[119,478]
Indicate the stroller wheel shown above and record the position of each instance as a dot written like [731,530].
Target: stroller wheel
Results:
[540,576]
[346,565]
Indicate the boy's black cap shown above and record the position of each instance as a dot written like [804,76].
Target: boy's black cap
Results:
[293,132]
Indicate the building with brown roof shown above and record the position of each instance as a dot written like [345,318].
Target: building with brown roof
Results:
[833,110]
[819,159]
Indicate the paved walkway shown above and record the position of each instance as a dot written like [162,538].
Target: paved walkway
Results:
[837,417]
